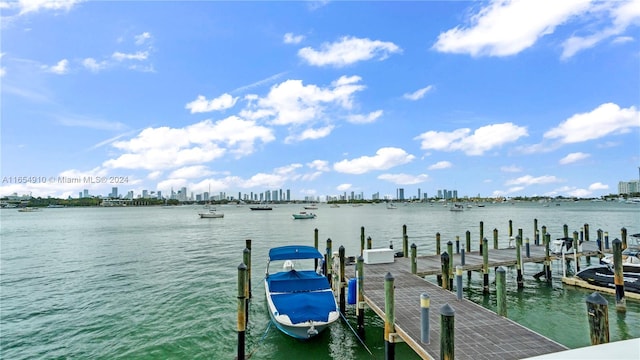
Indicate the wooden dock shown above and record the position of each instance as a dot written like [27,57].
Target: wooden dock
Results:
[479,332]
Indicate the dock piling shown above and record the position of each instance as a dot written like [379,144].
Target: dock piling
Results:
[485,266]
[329,261]
[450,251]
[425,303]
[527,248]
[437,243]
[468,241]
[414,259]
[405,242]
[444,261]
[495,239]
[389,320]
[598,317]
[459,282]
[246,257]
[501,291]
[623,234]
[315,245]
[447,330]
[618,279]
[519,279]
[360,294]
[547,257]
[343,306]
[368,242]
[242,280]
[536,239]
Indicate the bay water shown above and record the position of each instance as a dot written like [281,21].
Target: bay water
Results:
[161,283]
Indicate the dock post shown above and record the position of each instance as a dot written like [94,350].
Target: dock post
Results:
[447,331]
[457,244]
[536,239]
[329,262]
[501,291]
[485,266]
[246,258]
[360,299]
[600,242]
[369,242]
[315,244]
[361,240]
[527,248]
[468,241]
[606,240]
[248,263]
[618,280]
[343,307]
[438,243]
[510,228]
[623,234]
[565,230]
[547,257]
[519,262]
[462,256]
[414,260]
[586,232]
[405,246]
[459,282]
[444,261]
[576,254]
[544,232]
[495,239]
[450,251]
[242,279]
[598,316]
[481,231]
[425,303]
[389,317]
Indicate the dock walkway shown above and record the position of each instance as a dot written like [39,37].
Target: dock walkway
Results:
[479,332]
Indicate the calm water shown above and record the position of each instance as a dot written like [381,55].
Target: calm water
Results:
[154,283]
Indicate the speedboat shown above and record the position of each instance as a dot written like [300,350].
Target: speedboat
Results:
[630,256]
[603,275]
[304,215]
[300,300]
[211,214]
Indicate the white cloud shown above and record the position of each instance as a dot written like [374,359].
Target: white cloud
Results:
[62,67]
[607,119]
[27,6]
[320,165]
[201,104]
[511,169]
[573,157]
[190,172]
[343,187]
[139,56]
[310,134]
[385,158]
[418,94]
[530,180]
[365,119]
[404,179]
[290,38]
[93,65]
[440,165]
[477,143]
[507,27]
[348,50]
[169,148]
[598,186]
[142,38]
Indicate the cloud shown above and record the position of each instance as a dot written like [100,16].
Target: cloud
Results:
[190,172]
[506,27]
[28,6]
[310,134]
[169,148]
[88,122]
[348,50]
[528,180]
[62,67]
[290,38]
[477,143]
[622,13]
[320,165]
[201,104]
[364,119]
[142,38]
[93,65]
[404,179]
[139,56]
[573,157]
[385,158]
[607,119]
[418,94]
[440,165]
[344,187]
[511,169]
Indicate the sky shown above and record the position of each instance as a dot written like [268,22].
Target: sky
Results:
[491,98]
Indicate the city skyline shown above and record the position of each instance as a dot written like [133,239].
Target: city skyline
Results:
[491,98]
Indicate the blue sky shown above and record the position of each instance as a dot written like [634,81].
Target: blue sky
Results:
[496,98]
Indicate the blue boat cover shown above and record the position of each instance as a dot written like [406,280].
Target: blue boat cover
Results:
[297,281]
[294,252]
[305,306]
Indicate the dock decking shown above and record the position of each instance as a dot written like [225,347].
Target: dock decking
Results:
[479,332]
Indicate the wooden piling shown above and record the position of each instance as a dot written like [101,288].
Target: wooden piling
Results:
[623,234]
[565,230]
[536,240]
[586,232]
[360,300]
[547,257]
[501,291]
[450,251]
[343,306]
[247,243]
[369,242]
[444,261]
[576,253]
[519,279]
[510,228]
[329,261]
[598,317]
[600,241]
[485,266]
[414,258]
[437,243]
[481,231]
[315,245]
[457,244]
[447,332]
[468,241]
[361,240]
[242,280]
[544,232]
[527,248]
[606,240]
[246,258]
[618,278]
[425,303]
[459,282]
[405,242]
[495,239]
[389,317]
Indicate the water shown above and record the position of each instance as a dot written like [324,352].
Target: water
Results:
[154,283]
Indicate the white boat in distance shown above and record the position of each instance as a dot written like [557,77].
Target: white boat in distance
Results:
[211,214]
[456,207]
[300,302]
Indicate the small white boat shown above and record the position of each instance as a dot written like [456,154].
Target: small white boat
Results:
[304,215]
[28,209]
[630,256]
[456,207]
[311,207]
[391,206]
[300,301]
[211,214]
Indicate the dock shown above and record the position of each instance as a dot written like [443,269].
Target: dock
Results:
[479,332]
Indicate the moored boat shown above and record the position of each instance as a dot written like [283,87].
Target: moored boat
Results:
[300,301]
[261,207]
[630,256]
[304,215]
[603,275]
[211,214]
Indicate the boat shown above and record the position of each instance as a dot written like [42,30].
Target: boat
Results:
[304,215]
[603,275]
[391,206]
[211,214]
[456,207]
[300,301]
[28,209]
[311,207]
[261,207]
[334,206]
[630,256]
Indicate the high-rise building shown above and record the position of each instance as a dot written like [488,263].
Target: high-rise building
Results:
[400,194]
